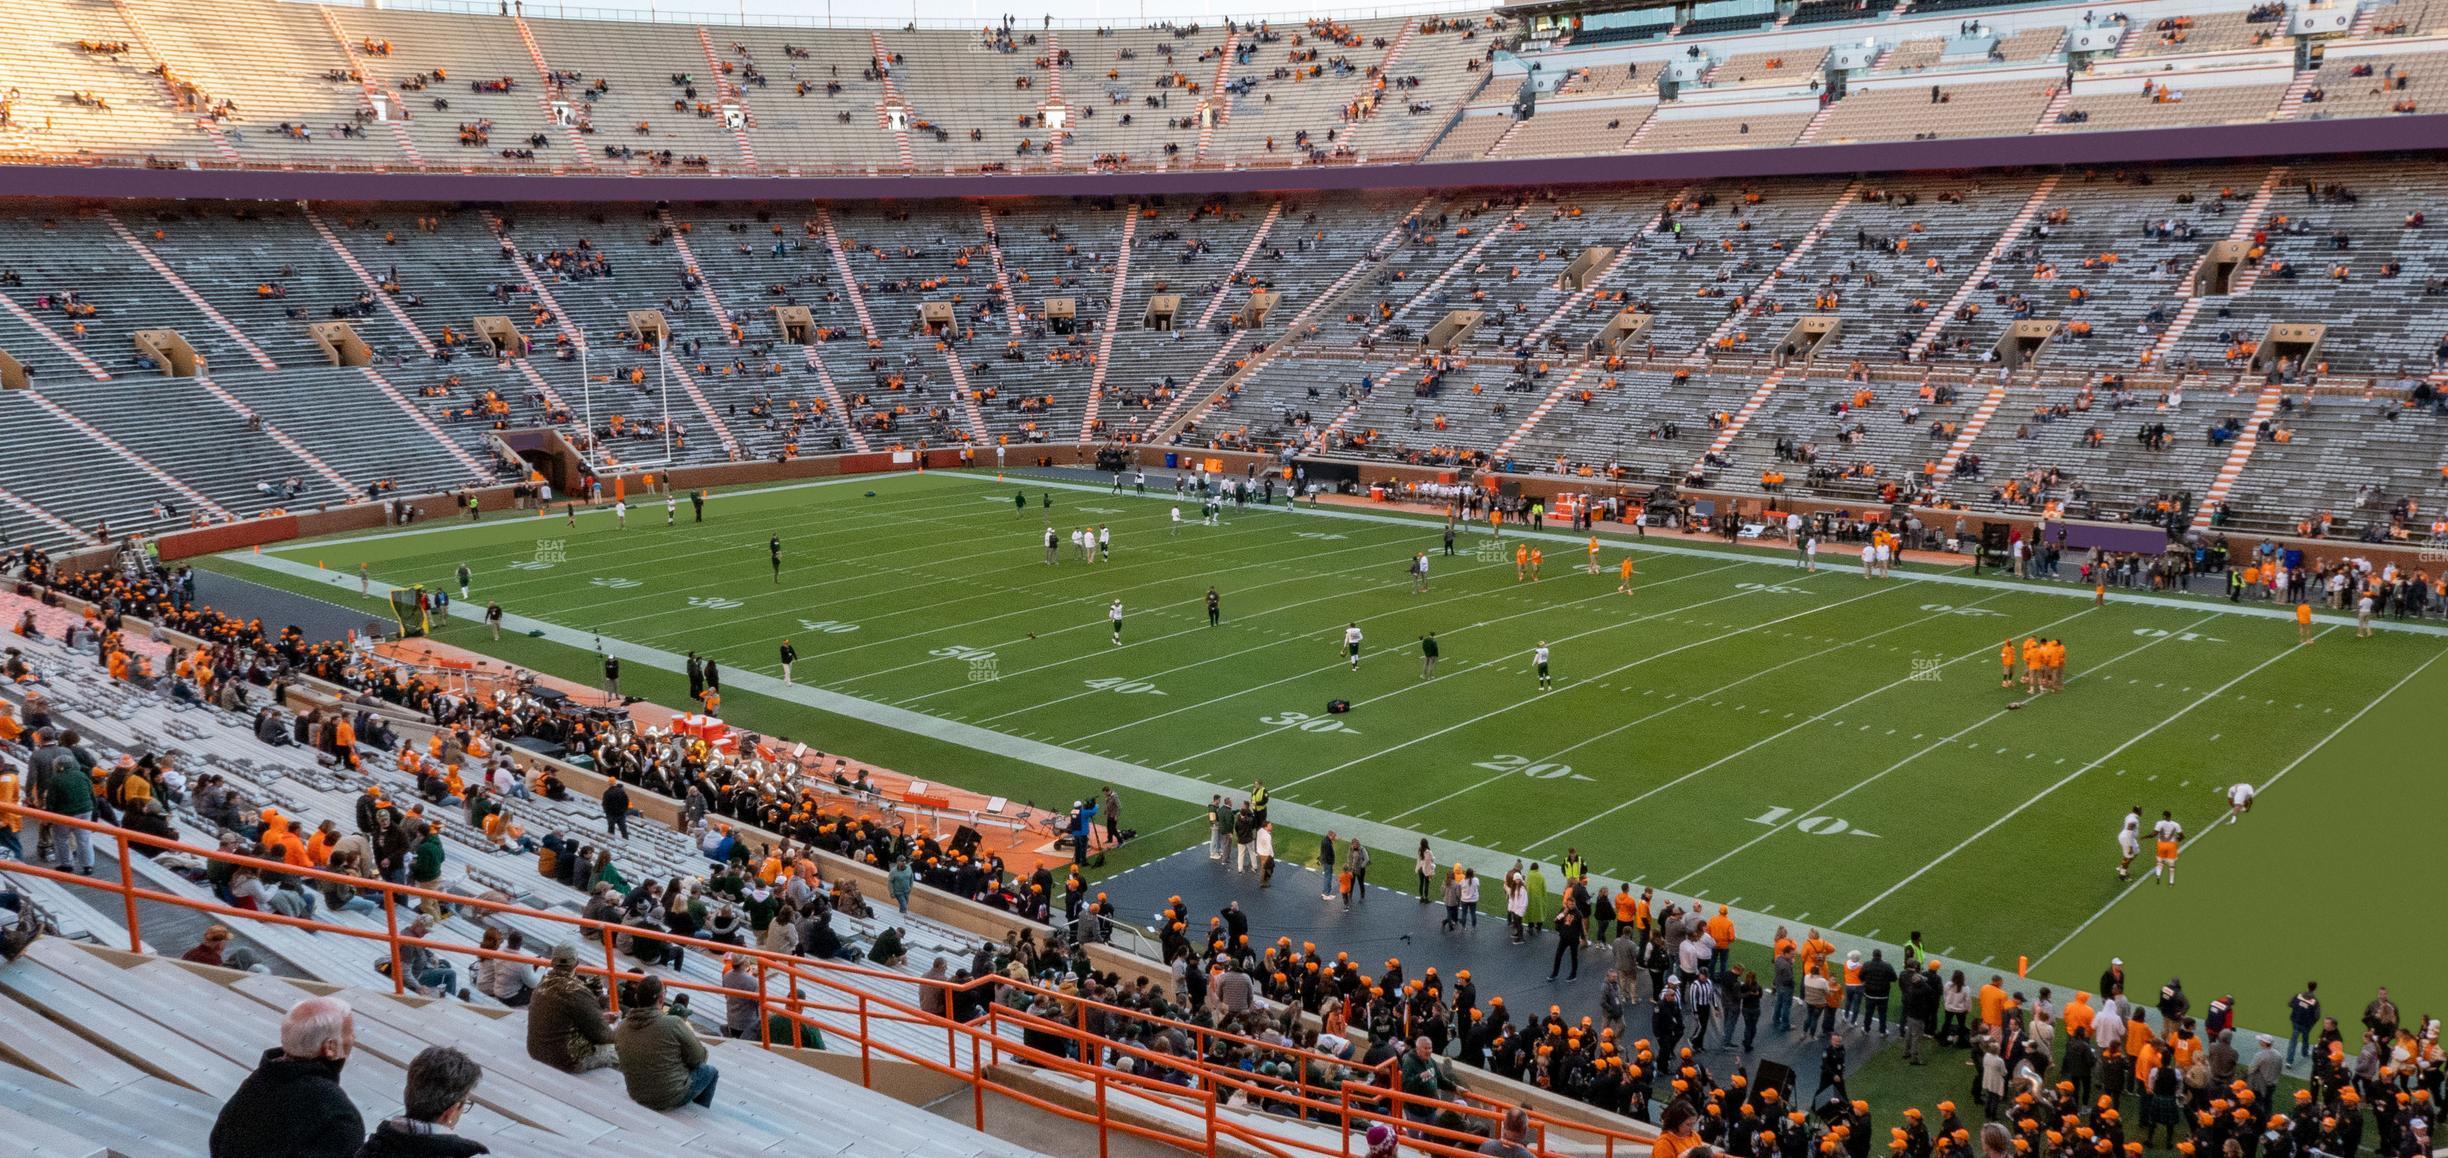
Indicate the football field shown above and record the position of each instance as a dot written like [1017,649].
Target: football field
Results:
[1811,748]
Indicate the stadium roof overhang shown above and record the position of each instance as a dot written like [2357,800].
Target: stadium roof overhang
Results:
[2410,133]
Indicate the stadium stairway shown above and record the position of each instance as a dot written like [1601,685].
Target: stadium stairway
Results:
[2264,408]
[1113,315]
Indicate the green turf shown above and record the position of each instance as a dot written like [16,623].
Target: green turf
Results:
[1820,748]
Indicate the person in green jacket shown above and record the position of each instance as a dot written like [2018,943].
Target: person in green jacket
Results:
[903,879]
[661,1060]
[605,874]
[425,868]
[1539,908]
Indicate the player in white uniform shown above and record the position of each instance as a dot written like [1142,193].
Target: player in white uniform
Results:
[2239,800]
[2168,834]
[671,509]
[2129,842]
[1538,661]
[1177,520]
[620,513]
[1114,613]
[1351,645]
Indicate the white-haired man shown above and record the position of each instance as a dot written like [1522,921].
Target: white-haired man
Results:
[293,1104]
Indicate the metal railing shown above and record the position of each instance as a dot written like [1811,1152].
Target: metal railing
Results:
[793,990]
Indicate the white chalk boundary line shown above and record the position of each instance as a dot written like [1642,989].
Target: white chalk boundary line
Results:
[1933,746]
[1677,706]
[2078,773]
[2259,791]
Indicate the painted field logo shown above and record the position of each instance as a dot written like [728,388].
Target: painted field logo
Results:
[616,583]
[982,669]
[1927,669]
[1489,551]
[551,551]
[712,602]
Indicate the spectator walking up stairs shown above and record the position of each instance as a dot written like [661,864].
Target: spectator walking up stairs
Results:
[547,87]
[2291,105]
[2247,223]
[1818,121]
[1010,305]
[688,263]
[728,89]
[2007,239]
[1215,94]
[2058,103]
[376,93]
[892,96]
[1736,317]
[2264,408]
[1113,317]
[1055,138]
[159,68]
[1390,99]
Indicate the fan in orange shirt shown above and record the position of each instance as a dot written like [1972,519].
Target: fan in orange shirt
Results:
[1537,557]
[1521,561]
[2006,657]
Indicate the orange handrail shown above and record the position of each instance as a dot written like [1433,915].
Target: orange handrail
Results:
[1351,1101]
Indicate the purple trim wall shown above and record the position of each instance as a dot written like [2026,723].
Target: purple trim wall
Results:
[2414,133]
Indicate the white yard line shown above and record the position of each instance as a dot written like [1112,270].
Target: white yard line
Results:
[2258,791]
[1220,657]
[2072,776]
[1933,746]
[1324,668]
[1484,716]
[1772,738]
[1679,705]
[1107,595]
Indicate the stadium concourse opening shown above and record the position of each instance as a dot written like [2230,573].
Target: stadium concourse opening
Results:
[1392,583]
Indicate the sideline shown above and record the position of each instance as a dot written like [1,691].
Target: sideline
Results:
[1905,572]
